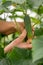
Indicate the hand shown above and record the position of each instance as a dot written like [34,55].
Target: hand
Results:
[9,27]
[19,43]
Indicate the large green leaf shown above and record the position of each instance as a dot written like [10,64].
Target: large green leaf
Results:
[17,57]
[38,32]
[6,3]
[37,49]
[20,56]
[28,27]
[18,53]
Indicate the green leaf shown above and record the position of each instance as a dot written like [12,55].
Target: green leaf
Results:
[28,4]
[40,9]
[5,61]
[20,56]
[34,20]
[1,11]
[1,52]
[18,1]
[6,3]
[3,1]
[28,27]
[37,49]
[33,4]
[38,32]
[41,24]
[1,8]
[18,53]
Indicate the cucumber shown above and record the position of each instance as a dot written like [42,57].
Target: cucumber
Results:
[28,27]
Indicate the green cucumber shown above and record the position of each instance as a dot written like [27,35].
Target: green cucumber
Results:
[28,27]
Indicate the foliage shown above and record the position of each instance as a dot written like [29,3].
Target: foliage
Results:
[37,49]
[18,56]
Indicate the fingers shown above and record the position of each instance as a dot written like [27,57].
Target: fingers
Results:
[24,45]
[15,42]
